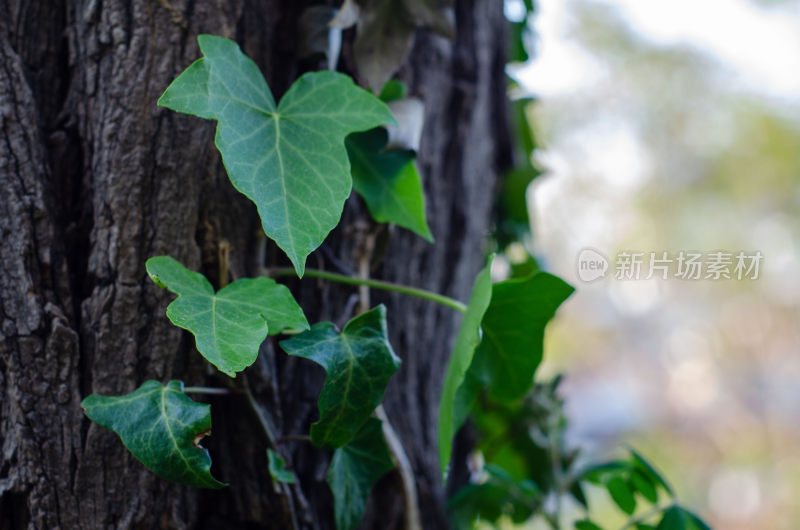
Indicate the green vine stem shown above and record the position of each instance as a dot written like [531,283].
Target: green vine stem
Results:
[376,284]
[655,510]
[213,391]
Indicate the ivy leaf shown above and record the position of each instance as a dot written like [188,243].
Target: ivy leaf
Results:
[354,470]
[277,468]
[161,427]
[289,159]
[393,90]
[359,362]
[643,485]
[621,494]
[500,494]
[586,524]
[228,326]
[646,469]
[513,328]
[386,30]
[388,181]
[467,340]
[679,518]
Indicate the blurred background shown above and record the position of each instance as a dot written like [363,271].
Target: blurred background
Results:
[669,127]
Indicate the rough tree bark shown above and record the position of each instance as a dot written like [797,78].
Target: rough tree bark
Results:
[95,179]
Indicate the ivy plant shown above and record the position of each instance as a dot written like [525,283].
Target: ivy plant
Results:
[298,161]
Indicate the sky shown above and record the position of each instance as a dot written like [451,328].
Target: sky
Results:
[760,45]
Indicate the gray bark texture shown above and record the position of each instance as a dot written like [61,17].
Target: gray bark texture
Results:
[95,178]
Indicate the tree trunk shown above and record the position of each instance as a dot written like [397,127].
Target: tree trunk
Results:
[96,178]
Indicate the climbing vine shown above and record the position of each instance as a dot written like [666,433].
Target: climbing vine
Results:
[298,160]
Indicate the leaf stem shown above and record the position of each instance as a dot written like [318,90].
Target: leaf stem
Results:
[293,438]
[214,391]
[377,284]
[655,510]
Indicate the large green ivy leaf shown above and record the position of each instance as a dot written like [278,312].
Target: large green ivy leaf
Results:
[388,181]
[354,469]
[228,326]
[469,335]
[161,427]
[289,159]
[359,362]
[513,331]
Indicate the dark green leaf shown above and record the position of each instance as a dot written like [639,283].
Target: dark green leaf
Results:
[695,522]
[466,341]
[289,159]
[359,362]
[513,331]
[643,485]
[649,471]
[643,526]
[679,518]
[576,490]
[519,34]
[277,468]
[500,495]
[161,427]
[622,495]
[354,470]
[513,194]
[586,525]
[228,326]
[394,89]
[602,473]
[388,181]
[674,518]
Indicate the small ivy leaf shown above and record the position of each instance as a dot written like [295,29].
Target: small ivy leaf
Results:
[650,472]
[388,181]
[386,30]
[621,494]
[602,473]
[467,340]
[500,494]
[289,159]
[354,470]
[576,490]
[586,525]
[383,39]
[643,485]
[513,331]
[277,468]
[393,90]
[679,518]
[410,116]
[228,326]
[359,362]
[675,518]
[161,427]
